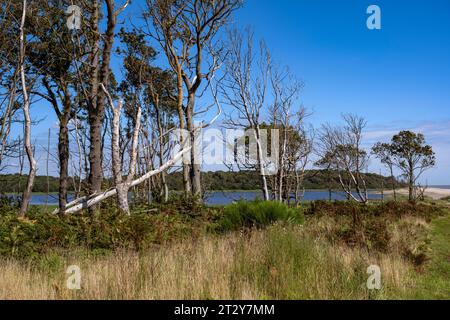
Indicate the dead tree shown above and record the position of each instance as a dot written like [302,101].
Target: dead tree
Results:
[27,119]
[245,92]
[185,31]
[341,150]
[121,186]
[285,89]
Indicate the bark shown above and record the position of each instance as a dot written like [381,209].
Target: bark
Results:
[195,167]
[165,187]
[26,111]
[122,194]
[123,187]
[186,174]
[64,152]
[97,109]
[393,182]
[411,182]
[261,164]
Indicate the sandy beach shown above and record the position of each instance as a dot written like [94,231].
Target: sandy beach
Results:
[433,193]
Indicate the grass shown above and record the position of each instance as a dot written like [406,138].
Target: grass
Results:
[257,214]
[434,281]
[281,262]
[325,258]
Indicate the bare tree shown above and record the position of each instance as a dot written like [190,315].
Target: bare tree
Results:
[244,88]
[285,89]
[121,186]
[341,150]
[27,124]
[186,32]
[298,153]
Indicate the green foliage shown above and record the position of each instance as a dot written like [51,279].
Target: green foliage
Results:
[42,232]
[257,214]
[377,226]
[409,153]
[251,180]
[216,181]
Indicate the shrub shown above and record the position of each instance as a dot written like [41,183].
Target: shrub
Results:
[387,210]
[242,215]
[41,232]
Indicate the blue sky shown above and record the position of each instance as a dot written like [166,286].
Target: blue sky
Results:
[397,77]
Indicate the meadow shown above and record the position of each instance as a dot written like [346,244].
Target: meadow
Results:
[250,250]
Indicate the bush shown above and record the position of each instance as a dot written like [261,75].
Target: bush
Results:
[387,210]
[243,215]
[41,232]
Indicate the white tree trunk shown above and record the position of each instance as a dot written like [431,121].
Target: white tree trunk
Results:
[122,187]
[27,120]
[87,202]
[261,163]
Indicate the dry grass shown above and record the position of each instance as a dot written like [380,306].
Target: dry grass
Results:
[279,263]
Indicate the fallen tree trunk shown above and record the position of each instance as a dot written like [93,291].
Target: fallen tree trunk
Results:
[87,202]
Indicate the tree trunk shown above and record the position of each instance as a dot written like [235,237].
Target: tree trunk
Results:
[95,153]
[262,172]
[63,153]
[186,173]
[26,111]
[411,186]
[165,187]
[393,183]
[195,167]
[97,109]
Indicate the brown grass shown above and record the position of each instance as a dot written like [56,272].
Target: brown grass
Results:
[282,262]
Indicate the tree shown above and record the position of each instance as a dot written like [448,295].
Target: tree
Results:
[186,31]
[95,73]
[341,150]
[244,89]
[286,89]
[9,79]
[383,152]
[26,111]
[51,55]
[409,152]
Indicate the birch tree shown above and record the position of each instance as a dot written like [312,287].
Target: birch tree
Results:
[341,150]
[27,119]
[244,89]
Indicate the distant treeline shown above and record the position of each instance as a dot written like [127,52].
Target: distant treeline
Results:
[250,180]
[219,180]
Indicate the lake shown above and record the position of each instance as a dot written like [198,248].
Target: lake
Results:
[221,198]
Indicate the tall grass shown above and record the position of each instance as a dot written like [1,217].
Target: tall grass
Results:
[171,256]
[281,262]
[251,214]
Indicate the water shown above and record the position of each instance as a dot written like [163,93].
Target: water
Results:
[220,198]
[223,198]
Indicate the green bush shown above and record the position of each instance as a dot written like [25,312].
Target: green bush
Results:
[257,214]
[41,232]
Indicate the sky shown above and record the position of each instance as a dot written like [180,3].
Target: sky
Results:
[398,77]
